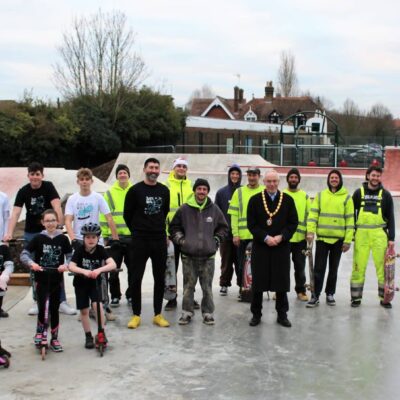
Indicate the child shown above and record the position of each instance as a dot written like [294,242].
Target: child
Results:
[88,262]
[6,268]
[47,254]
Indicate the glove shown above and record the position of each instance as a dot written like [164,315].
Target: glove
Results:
[114,244]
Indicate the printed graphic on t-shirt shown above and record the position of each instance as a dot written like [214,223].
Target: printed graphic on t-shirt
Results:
[37,205]
[90,264]
[84,210]
[51,256]
[153,205]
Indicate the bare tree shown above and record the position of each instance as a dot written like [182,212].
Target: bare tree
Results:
[97,57]
[287,76]
[205,92]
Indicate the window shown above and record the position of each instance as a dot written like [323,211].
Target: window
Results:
[274,117]
[229,145]
[250,116]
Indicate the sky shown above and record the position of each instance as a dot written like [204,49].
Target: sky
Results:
[343,49]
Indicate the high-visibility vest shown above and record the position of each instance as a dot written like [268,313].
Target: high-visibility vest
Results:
[332,216]
[367,219]
[115,198]
[303,205]
[179,192]
[238,210]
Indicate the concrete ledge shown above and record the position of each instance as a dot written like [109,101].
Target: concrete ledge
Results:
[19,279]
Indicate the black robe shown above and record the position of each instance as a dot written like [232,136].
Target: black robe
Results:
[270,266]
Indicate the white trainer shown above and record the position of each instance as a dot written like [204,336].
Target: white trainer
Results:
[33,310]
[65,308]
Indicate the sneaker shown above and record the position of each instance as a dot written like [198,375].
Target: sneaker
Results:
[89,342]
[38,338]
[114,303]
[33,310]
[109,315]
[55,345]
[196,305]
[386,305]
[356,302]
[330,300]
[171,305]
[223,291]
[302,296]
[184,320]
[65,308]
[3,314]
[208,320]
[314,302]
[160,321]
[134,322]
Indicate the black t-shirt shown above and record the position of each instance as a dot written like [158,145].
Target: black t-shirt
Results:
[89,261]
[145,210]
[4,256]
[36,201]
[49,253]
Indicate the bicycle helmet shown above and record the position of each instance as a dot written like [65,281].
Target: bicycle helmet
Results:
[90,229]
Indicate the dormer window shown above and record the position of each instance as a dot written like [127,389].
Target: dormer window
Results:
[274,117]
[250,116]
[300,119]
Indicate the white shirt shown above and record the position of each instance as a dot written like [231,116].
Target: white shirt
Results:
[4,214]
[85,209]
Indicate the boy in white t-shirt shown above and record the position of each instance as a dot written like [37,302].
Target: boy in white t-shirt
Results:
[84,207]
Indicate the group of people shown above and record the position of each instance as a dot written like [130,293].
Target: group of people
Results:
[132,223]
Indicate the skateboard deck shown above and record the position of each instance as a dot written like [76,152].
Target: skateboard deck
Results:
[309,254]
[389,288]
[170,274]
[246,293]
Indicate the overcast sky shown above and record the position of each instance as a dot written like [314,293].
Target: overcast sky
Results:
[343,49]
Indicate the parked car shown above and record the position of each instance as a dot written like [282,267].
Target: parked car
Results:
[365,156]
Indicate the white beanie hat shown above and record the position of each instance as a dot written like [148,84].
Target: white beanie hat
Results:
[180,161]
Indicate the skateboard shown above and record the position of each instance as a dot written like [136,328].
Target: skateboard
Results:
[309,254]
[389,288]
[170,274]
[246,292]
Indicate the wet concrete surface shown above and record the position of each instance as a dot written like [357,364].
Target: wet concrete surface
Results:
[329,353]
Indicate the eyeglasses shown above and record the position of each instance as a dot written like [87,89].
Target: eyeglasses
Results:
[48,221]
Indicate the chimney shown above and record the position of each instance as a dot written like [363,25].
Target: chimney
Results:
[235,98]
[240,95]
[269,91]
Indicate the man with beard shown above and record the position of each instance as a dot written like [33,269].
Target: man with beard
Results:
[227,248]
[332,219]
[375,232]
[272,220]
[298,242]
[145,211]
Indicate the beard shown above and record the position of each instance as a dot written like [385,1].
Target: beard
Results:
[293,185]
[152,177]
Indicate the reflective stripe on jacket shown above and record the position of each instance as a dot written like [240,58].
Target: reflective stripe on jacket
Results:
[115,198]
[331,216]
[303,205]
[238,210]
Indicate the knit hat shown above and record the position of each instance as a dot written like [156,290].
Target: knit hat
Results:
[180,161]
[201,182]
[293,171]
[122,167]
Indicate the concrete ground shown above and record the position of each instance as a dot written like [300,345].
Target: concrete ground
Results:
[329,353]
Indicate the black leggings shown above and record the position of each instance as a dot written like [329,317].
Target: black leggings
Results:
[54,301]
[142,250]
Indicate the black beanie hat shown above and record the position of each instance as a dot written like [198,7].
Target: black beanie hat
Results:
[122,167]
[201,182]
[293,171]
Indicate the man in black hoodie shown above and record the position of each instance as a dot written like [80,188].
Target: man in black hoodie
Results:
[228,250]
[375,231]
